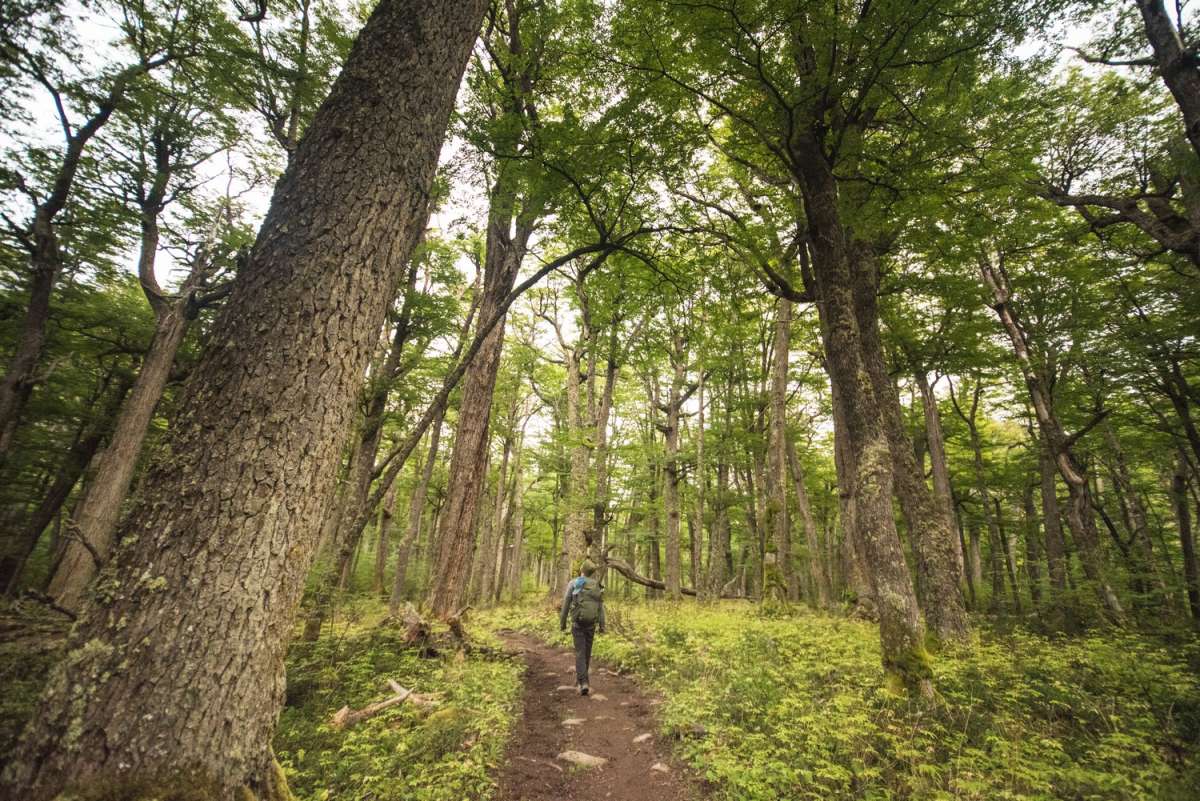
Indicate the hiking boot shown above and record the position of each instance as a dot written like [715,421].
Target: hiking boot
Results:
[583,689]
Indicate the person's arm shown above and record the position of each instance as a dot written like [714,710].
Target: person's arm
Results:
[566,607]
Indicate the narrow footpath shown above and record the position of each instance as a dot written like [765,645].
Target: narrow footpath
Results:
[600,747]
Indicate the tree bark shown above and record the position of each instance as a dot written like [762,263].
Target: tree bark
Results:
[902,632]
[199,600]
[936,438]
[675,401]
[1183,518]
[931,529]
[95,520]
[451,568]
[1176,65]
[777,504]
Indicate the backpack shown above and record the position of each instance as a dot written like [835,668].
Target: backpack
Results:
[585,601]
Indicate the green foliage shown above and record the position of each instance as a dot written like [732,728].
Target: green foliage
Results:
[797,708]
[403,752]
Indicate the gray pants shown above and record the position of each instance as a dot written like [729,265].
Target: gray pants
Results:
[583,636]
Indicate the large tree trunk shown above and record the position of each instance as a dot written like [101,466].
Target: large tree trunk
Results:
[575,540]
[902,632]
[1176,65]
[777,507]
[456,527]
[201,596]
[930,526]
[936,439]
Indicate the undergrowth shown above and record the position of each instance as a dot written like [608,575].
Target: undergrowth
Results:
[448,753]
[777,706]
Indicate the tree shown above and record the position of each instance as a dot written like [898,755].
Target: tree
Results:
[255,447]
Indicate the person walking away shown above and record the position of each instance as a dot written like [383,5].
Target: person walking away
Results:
[584,604]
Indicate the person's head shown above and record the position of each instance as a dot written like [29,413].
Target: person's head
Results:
[587,569]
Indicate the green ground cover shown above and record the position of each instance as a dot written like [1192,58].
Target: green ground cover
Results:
[405,752]
[777,706]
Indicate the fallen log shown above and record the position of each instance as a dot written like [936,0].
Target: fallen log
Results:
[628,572]
[346,717]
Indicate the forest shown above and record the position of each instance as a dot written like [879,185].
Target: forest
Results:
[853,346]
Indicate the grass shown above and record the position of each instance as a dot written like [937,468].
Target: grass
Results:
[449,754]
[793,705]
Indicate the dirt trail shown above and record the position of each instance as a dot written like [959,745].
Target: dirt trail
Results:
[614,715]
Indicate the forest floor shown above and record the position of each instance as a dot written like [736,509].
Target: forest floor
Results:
[616,723]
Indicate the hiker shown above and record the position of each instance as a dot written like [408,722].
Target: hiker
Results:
[584,602]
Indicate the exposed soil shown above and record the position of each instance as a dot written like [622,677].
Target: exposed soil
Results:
[616,712]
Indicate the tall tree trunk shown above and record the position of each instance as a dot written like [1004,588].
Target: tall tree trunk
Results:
[930,526]
[1056,551]
[1176,65]
[675,401]
[201,596]
[902,632]
[451,568]
[1144,567]
[416,509]
[1033,555]
[1010,555]
[936,439]
[575,541]
[777,505]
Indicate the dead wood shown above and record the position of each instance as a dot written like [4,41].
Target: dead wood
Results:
[346,717]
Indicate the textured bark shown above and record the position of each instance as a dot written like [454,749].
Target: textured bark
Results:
[456,527]
[930,526]
[776,479]
[902,632]
[95,520]
[193,614]
[935,437]
[852,556]
[1176,65]
[575,541]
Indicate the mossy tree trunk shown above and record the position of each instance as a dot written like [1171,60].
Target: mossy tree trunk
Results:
[174,671]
